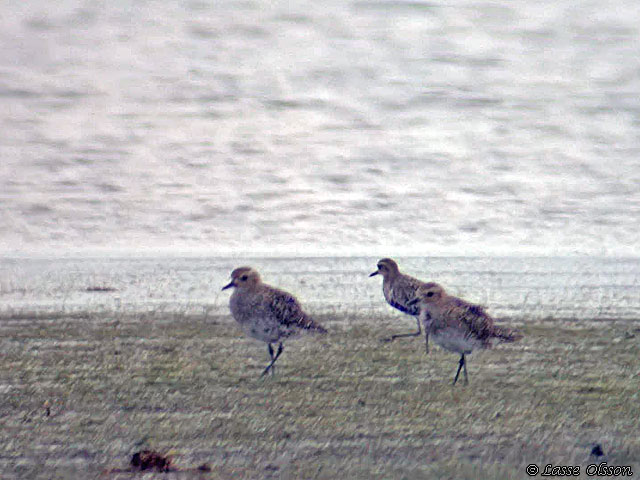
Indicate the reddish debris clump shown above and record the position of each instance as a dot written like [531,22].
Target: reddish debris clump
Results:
[148,459]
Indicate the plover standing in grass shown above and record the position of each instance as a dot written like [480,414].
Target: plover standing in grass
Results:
[398,289]
[457,325]
[267,313]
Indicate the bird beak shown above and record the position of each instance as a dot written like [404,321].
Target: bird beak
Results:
[229,285]
[374,273]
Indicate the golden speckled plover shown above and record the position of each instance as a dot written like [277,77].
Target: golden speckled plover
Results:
[399,289]
[457,325]
[267,313]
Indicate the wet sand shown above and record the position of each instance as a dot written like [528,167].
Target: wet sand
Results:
[131,353]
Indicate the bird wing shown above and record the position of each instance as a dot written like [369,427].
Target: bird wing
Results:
[405,289]
[287,311]
[471,316]
[479,324]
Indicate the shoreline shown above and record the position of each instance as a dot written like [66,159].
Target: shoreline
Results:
[510,287]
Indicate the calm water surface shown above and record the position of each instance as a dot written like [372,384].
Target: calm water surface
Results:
[363,127]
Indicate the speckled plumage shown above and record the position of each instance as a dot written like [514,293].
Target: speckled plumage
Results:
[267,313]
[457,325]
[399,289]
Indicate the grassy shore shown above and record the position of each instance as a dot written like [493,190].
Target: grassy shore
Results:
[340,405]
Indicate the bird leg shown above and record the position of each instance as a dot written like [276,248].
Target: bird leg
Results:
[427,325]
[462,364]
[273,368]
[414,334]
[466,377]
[273,358]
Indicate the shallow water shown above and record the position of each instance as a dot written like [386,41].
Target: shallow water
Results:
[353,127]
[523,289]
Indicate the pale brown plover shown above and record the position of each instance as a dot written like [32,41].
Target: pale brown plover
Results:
[398,289]
[267,313]
[457,325]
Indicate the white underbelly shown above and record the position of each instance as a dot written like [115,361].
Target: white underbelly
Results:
[263,331]
[454,341]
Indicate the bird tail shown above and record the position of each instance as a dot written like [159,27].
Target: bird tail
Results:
[308,323]
[507,334]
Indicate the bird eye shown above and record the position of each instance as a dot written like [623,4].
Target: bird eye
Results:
[429,294]
[244,278]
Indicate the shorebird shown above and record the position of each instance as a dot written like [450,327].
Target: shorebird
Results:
[267,313]
[457,325]
[399,289]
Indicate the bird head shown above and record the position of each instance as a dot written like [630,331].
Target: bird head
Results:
[387,268]
[243,277]
[428,294]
